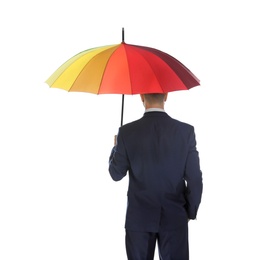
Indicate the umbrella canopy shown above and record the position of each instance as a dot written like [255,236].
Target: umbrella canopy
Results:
[123,69]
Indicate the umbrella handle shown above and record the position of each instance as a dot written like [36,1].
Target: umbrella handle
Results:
[122,109]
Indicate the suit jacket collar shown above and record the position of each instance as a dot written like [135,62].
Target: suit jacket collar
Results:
[155,113]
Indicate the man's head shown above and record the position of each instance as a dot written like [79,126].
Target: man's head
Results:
[154,100]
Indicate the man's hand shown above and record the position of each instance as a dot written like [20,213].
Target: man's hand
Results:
[115,139]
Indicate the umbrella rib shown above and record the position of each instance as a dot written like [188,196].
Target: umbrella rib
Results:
[129,75]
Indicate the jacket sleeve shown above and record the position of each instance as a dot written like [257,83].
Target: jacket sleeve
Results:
[193,178]
[118,160]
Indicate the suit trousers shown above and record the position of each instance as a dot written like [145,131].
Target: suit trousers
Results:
[172,245]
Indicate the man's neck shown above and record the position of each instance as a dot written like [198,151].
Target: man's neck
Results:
[161,106]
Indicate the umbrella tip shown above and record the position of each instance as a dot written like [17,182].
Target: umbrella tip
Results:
[123,34]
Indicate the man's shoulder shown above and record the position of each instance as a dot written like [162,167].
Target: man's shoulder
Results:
[182,123]
[130,124]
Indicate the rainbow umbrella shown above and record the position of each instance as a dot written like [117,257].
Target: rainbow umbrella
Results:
[123,69]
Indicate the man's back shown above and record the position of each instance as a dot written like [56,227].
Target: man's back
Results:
[160,155]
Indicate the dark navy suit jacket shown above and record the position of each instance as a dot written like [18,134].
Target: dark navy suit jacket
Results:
[165,181]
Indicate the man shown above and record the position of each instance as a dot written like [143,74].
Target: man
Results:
[165,181]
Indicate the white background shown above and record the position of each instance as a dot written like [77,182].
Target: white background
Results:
[57,200]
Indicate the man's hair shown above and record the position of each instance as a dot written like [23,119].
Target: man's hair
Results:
[155,97]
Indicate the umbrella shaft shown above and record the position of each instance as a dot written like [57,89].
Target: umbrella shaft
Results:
[122,109]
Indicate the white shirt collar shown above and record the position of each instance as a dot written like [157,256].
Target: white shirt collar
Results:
[154,110]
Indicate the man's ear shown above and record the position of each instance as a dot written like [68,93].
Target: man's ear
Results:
[142,98]
[165,98]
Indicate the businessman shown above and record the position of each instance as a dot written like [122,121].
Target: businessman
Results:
[165,181]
